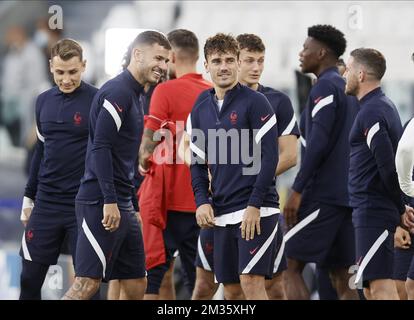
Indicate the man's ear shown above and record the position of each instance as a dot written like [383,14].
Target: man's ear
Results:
[362,75]
[137,54]
[83,65]
[206,66]
[322,53]
[173,56]
[51,65]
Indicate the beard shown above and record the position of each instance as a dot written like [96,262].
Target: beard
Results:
[351,89]
[149,77]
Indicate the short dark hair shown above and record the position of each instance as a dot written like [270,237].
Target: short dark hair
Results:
[250,42]
[221,43]
[186,41]
[146,37]
[372,59]
[66,49]
[330,36]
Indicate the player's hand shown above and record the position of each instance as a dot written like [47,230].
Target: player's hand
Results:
[407,219]
[290,211]
[111,217]
[402,238]
[27,207]
[250,223]
[137,214]
[205,216]
[142,171]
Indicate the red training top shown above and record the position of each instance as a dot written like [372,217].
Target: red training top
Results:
[173,101]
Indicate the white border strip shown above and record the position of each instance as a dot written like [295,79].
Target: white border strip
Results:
[236,217]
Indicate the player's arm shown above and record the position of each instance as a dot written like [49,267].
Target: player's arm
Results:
[114,107]
[263,121]
[146,149]
[404,160]
[199,172]
[288,153]
[288,136]
[184,151]
[317,144]
[380,145]
[31,186]
[158,112]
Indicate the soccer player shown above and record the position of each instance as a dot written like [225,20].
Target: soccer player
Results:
[317,211]
[114,290]
[404,248]
[375,194]
[173,101]
[251,66]
[227,124]
[110,241]
[48,210]
[404,161]
[403,254]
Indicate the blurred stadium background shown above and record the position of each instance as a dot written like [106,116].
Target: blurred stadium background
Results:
[105,27]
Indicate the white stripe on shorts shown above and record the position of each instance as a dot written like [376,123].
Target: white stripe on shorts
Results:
[370,254]
[26,254]
[95,245]
[261,251]
[279,256]
[301,225]
[203,258]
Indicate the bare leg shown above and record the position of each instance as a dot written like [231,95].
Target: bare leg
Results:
[151,296]
[402,292]
[253,287]
[233,291]
[82,289]
[275,287]
[114,290]
[205,287]
[409,285]
[167,289]
[133,289]
[383,289]
[340,281]
[296,288]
